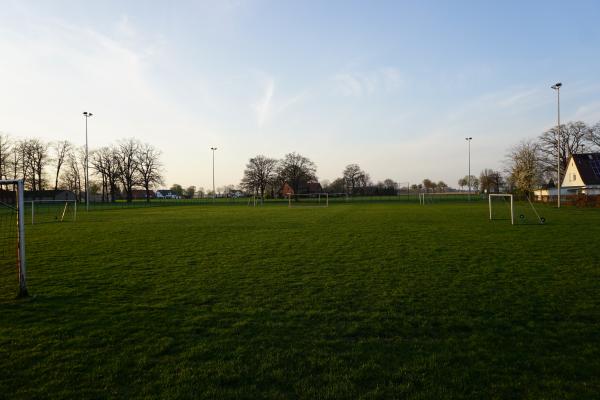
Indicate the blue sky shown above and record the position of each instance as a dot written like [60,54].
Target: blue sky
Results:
[394,86]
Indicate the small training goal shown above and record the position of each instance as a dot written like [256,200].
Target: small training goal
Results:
[503,207]
[308,200]
[43,211]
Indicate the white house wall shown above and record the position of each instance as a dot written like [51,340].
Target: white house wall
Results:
[572,177]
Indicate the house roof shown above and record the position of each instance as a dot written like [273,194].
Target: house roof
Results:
[588,165]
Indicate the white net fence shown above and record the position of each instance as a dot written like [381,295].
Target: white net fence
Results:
[308,200]
[12,266]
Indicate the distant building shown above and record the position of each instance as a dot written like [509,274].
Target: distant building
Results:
[30,195]
[166,194]
[304,188]
[139,194]
[286,190]
[583,174]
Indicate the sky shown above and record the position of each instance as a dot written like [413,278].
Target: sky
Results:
[393,86]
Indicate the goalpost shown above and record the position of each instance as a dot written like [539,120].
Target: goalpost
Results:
[503,196]
[12,234]
[52,210]
[308,200]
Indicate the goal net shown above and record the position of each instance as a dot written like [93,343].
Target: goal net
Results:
[447,197]
[12,239]
[308,200]
[502,207]
[339,197]
[44,211]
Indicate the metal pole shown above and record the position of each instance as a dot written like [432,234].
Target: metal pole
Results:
[469,176]
[87,188]
[213,172]
[556,87]
[558,153]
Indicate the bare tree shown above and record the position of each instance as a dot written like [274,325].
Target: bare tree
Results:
[5,154]
[390,184]
[259,172]
[296,170]
[573,138]
[355,177]
[473,181]
[34,158]
[177,189]
[126,156]
[74,172]
[427,184]
[525,166]
[441,185]
[594,136]
[104,161]
[61,149]
[149,167]
[190,191]
[337,186]
[40,160]
[490,180]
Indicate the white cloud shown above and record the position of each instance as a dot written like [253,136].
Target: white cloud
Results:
[357,84]
[263,107]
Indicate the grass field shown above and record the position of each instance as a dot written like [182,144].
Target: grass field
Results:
[351,301]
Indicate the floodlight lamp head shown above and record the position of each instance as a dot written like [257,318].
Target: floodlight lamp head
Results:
[468,138]
[556,86]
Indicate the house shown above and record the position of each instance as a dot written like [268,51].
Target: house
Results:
[311,187]
[583,174]
[286,190]
[166,194]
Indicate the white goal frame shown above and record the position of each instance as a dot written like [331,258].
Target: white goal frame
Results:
[512,208]
[21,264]
[64,209]
[319,196]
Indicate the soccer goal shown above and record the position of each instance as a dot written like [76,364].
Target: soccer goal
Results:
[308,200]
[502,207]
[43,211]
[12,238]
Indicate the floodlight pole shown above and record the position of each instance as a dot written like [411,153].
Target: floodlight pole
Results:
[213,171]
[468,139]
[87,177]
[557,88]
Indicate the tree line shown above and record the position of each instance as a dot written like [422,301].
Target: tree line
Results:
[265,177]
[119,168]
[533,163]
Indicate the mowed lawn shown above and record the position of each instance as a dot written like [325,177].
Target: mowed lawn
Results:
[351,301]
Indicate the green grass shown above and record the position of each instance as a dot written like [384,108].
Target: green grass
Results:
[351,301]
